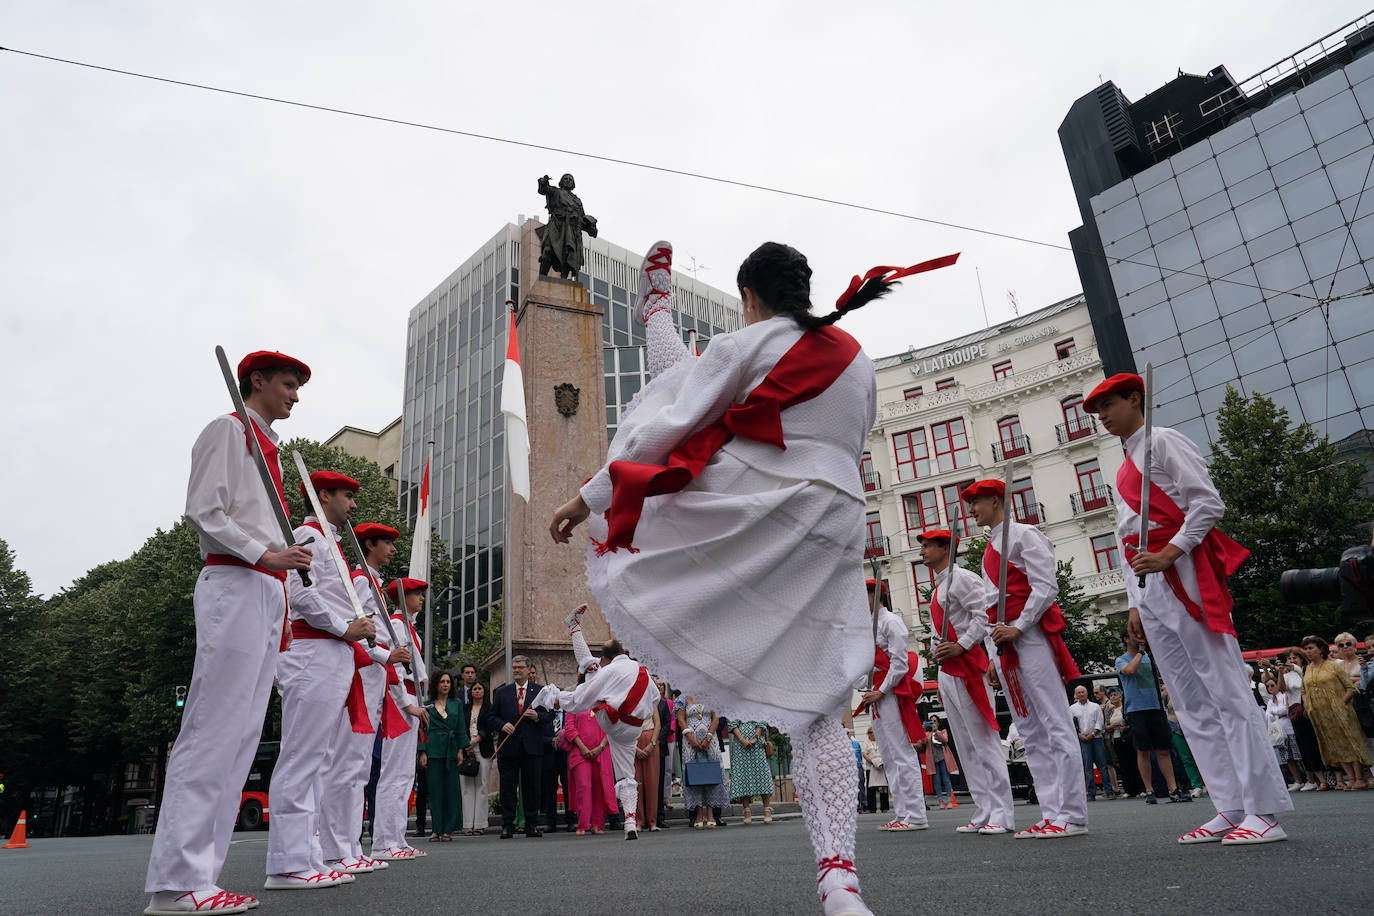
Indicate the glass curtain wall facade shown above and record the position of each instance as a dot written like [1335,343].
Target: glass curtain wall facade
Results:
[1226,257]
[455,348]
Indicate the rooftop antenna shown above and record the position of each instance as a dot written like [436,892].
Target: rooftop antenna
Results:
[987,322]
[1011,301]
[695,267]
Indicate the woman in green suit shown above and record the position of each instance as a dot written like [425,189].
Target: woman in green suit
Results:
[448,739]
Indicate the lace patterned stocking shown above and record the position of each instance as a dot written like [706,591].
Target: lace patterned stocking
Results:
[827,784]
[665,346]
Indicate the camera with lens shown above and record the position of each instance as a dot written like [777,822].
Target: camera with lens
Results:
[1351,582]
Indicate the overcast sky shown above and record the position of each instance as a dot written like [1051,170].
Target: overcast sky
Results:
[143,223]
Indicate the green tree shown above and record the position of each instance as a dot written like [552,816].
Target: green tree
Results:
[1293,503]
[22,724]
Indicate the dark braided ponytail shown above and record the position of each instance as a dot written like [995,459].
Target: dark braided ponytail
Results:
[781,278]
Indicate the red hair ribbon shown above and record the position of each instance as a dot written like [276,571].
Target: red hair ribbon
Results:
[886,275]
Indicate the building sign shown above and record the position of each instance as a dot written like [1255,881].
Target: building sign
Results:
[942,361]
[1021,340]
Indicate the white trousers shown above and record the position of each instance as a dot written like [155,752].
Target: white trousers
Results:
[900,762]
[395,781]
[238,632]
[981,756]
[1052,752]
[345,783]
[1210,687]
[474,789]
[314,675]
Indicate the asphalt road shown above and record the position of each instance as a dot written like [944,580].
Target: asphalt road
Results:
[1129,864]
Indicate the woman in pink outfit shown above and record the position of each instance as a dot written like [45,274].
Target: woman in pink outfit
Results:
[589,771]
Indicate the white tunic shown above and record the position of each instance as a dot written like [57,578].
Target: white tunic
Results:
[1031,552]
[610,684]
[747,590]
[964,602]
[225,499]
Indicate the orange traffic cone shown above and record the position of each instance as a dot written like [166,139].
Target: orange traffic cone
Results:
[20,832]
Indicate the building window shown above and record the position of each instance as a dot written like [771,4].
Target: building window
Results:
[1011,444]
[1065,348]
[1105,553]
[1077,422]
[877,546]
[868,474]
[911,454]
[922,511]
[945,383]
[951,445]
[924,579]
[956,510]
[911,394]
[1023,502]
[1001,370]
[1092,489]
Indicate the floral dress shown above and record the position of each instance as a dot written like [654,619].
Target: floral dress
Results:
[750,773]
[699,725]
[1338,730]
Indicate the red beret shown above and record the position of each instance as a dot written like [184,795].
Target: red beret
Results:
[331,480]
[1120,383]
[270,359]
[411,585]
[983,488]
[868,583]
[935,534]
[374,530]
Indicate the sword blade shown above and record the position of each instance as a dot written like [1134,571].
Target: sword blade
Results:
[259,459]
[1144,542]
[332,549]
[352,537]
[1006,539]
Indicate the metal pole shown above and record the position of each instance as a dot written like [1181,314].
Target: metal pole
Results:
[429,573]
[505,537]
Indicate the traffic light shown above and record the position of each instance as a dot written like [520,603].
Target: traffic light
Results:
[181,696]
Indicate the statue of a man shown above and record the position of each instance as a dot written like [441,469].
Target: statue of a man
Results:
[561,240]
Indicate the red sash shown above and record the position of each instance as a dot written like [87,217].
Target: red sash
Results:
[907,693]
[1215,558]
[1052,623]
[228,559]
[811,366]
[622,712]
[971,667]
[414,650]
[356,704]
[269,451]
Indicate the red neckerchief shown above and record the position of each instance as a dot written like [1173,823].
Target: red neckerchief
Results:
[269,452]
[1051,622]
[808,368]
[970,667]
[907,693]
[1215,558]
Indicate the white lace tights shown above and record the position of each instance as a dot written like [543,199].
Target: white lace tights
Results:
[827,784]
[665,346]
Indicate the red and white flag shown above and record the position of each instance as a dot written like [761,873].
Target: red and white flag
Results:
[419,549]
[513,409]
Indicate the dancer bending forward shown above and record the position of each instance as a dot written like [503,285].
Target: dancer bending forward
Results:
[733,483]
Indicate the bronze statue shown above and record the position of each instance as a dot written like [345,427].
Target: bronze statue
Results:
[560,246]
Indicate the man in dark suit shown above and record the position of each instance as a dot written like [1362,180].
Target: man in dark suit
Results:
[555,770]
[468,673]
[665,767]
[511,712]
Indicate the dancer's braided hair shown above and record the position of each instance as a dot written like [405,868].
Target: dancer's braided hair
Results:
[781,277]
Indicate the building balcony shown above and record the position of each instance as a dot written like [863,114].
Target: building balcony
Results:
[1036,375]
[1109,580]
[1075,430]
[896,410]
[873,481]
[1030,513]
[1088,501]
[877,547]
[1011,447]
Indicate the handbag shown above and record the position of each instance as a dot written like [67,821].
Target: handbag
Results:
[470,766]
[768,748]
[1296,712]
[700,773]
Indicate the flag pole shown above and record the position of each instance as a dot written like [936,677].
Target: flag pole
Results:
[429,623]
[506,584]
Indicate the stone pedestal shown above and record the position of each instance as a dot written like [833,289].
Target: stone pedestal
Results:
[559,330]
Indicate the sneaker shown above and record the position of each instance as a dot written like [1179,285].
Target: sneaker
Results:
[1150,799]
[992,830]
[969,828]
[1033,831]
[1254,830]
[655,282]
[303,880]
[900,826]
[574,620]
[1309,787]
[1210,832]
[212,900]
[1294,786]
[1199,792]
[631,830]
[1054,831]
[1181,796]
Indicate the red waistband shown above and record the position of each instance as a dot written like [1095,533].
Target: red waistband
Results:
[228,559]
[302,630]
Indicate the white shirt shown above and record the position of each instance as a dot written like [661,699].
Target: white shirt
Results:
[1177,468]
[892,640]
[225,499]
[1031,552]
[964,602]
[1087,718]
[399,694]
[368,600]
[611,684]
[325,605]
[1292,685]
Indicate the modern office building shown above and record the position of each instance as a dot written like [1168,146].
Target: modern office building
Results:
[383,448]
[956,412]
[455,348]
[1226,236]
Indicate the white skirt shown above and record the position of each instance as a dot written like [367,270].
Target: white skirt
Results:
[746,593]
